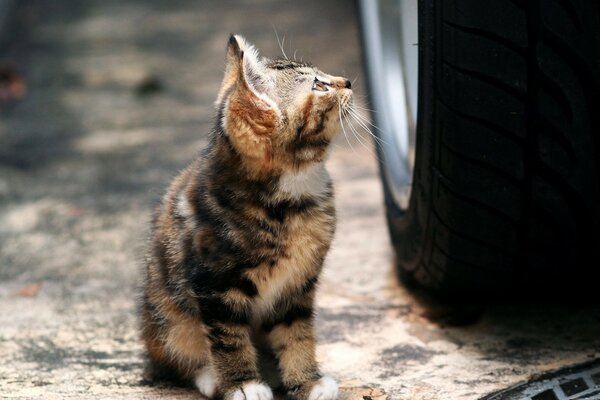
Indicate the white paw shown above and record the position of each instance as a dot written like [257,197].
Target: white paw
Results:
[325,389]
[252,391]
[206,381]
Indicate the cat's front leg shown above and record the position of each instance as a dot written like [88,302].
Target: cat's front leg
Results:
[234,361]
[291,335]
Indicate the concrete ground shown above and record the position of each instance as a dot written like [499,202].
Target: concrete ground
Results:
[119,99]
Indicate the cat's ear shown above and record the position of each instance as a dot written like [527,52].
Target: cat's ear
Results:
[250,116]
[246,74]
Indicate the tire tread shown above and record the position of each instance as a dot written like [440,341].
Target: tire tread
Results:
[494,219]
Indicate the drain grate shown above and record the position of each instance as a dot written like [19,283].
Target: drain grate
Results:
[580,382]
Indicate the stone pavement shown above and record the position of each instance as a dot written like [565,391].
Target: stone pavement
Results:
[119,99]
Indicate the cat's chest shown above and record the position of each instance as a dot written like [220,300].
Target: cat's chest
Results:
[312,182]
[299,260]
[306,237]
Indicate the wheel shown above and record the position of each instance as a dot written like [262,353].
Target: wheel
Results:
[503,190]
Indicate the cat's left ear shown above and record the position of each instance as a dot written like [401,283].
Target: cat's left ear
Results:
[246,79]
[250,117]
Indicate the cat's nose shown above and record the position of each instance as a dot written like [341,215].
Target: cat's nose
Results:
[342,83]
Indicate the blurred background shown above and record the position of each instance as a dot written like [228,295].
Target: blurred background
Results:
[102,102]
[105,101]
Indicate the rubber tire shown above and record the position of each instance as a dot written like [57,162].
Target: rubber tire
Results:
[506,192]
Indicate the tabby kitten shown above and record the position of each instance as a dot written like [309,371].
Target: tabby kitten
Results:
[239,241]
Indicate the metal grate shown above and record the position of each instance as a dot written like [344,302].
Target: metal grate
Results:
[574,383]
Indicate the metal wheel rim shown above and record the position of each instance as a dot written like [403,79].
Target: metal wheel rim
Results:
[390,31]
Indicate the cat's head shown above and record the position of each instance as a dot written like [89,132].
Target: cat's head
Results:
[279,115]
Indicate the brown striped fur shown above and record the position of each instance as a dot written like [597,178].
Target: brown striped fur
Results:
[239,241]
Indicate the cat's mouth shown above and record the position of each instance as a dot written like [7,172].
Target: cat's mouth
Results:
[345,103]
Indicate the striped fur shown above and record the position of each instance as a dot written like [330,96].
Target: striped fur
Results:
[239,241]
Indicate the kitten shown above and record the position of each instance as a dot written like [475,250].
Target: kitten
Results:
[239,241]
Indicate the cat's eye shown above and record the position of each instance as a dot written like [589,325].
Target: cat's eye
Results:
[319,86]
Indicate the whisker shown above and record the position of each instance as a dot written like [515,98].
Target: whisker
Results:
[362,118]
[344,130]
[280,43]
[363,124]
[356,109]
[363,108]
[364,99]
[357,135]
[368,147]
[365,120]
[282,50]
[353,128]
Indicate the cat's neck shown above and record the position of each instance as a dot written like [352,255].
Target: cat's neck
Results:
[227,167]
[226,161]
[311,181]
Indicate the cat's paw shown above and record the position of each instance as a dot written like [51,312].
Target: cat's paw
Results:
[206,381]
[324,389]
[251,391]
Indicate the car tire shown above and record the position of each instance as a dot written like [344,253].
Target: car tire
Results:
[505,191]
